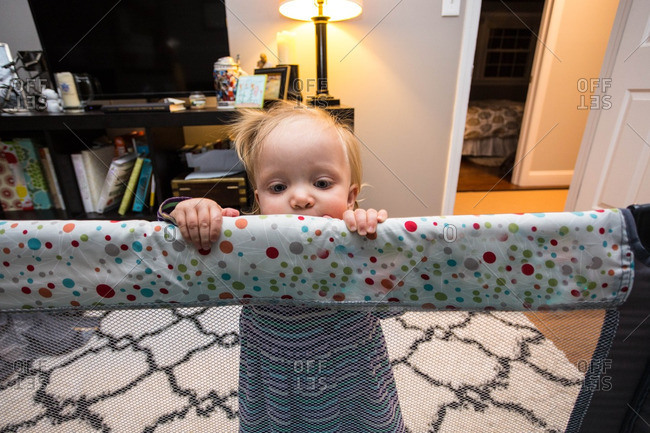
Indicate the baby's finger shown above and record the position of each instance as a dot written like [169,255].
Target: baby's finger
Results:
[371,220]
[382,215]
[229,212]
[350,221]
[360,215]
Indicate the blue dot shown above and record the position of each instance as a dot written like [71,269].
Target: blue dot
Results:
[459,299]
[137,246]
[451,262]
[67,282]
[225,276]
[428,287]
[118,260]
[147,293]
[34,244]
[305,229]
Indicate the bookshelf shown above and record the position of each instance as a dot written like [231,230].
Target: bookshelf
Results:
[67,133]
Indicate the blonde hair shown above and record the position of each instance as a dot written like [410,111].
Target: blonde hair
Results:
[253,126]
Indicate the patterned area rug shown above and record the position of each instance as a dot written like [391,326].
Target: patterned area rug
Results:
[176,370]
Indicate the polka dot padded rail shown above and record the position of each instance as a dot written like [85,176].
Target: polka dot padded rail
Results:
[489,262]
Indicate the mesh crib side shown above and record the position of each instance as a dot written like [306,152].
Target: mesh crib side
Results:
[177,369]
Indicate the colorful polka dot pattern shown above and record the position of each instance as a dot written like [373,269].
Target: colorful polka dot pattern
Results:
[489,262]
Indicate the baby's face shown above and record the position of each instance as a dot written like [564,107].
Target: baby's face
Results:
[303,169]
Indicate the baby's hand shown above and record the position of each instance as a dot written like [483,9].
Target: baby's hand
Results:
[200,219]
[364,221]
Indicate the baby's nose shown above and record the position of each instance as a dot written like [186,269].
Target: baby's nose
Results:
[301,199]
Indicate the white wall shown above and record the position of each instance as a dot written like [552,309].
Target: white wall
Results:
[396,64]
[398,69]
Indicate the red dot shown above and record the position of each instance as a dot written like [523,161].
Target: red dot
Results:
[107,237]
[575,293]
[30,268]
[601,231]
[26,290]
[533,228]
[553,242]
[164,291]
[477,226]
[124,247]
[130,297]
[373,259]
[410,226]
[272,253]
[75,243]
[105,291]
[48,245]
[370,281]
[424,276]
[489,257]
[527,269]
[323,254]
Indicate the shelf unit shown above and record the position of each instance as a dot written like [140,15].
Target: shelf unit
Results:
[67,133]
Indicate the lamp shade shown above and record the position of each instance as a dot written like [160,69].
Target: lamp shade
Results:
[336,10]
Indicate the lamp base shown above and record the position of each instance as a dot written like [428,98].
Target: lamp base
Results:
[323,101]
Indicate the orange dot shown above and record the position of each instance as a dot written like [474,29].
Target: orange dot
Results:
[96,269]
[14,225]
[74,303]
[44,292]
[225,295]
[611,272]
[6,250]
[68,227]
[388,284]
[165,253]
[241,223]
[226,247]
[339,297]
[318,232]
[149,248]
[198,273]
[157,228]
[615,247]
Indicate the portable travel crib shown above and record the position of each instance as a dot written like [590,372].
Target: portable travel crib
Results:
[499,323]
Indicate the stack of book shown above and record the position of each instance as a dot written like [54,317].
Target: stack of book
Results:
[28,180]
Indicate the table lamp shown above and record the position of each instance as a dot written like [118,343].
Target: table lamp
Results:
[320,12]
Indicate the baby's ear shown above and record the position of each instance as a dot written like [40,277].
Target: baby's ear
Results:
[352,195]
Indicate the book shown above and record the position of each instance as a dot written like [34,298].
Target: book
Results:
[115,182]
[34,176]
[82,182]
[143,184]
[52,179]
[130,187]
[8,196]
[163,107]
[22,200]
[96,163]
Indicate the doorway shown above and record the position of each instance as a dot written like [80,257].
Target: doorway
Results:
[505,49]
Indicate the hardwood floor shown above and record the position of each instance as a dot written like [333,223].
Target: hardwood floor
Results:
[481,190]
[474,177]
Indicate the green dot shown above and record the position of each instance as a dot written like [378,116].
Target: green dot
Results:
[84,237]
[552,282]
[440,296]
[274,288]
[297,270]
[182,268]
[414,297]
[564,230]
[227,233]
[347,270]
[528,254]
[550,264]
[194,262]
[513,228]
[334,265]
[212,287]
[238,285]
[513,248]
[501,281]
[477,299]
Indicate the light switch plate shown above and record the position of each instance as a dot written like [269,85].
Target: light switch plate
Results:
[450,8]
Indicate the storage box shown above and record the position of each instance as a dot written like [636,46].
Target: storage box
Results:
[227,191]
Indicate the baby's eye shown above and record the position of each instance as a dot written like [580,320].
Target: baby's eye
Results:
[322,183]
[278,187]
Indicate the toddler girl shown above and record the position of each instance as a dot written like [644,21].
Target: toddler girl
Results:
[302,369]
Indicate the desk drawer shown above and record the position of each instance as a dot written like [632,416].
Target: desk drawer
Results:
[227,191]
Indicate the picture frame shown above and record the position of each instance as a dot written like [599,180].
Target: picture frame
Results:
[8,92]
[250,91]
[277,82]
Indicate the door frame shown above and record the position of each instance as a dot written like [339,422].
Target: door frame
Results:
[583,194]
[471,19]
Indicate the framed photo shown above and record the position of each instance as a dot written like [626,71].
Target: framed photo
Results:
[277,82]
[8,93]
[250,91]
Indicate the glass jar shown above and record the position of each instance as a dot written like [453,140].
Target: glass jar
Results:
[197,101]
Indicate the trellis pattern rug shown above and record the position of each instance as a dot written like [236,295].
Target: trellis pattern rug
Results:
[172,370]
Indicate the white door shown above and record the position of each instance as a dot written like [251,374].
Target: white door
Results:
[613,166]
